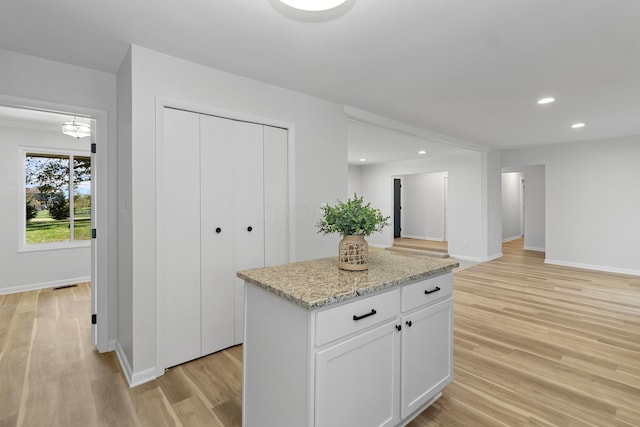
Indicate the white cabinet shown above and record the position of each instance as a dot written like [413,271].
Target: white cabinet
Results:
[357,381]
[216,178]
[358,378]
[374,361]
[427,350]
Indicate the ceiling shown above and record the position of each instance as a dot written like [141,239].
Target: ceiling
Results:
[472,70]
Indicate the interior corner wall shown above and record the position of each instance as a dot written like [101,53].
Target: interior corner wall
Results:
[55,267]
[125,229]
[319,171]
[493,205]
[592,207]
[45,82]
[465,216]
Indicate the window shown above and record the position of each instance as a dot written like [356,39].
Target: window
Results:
[57,197]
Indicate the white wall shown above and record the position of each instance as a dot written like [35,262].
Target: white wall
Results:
[319,172]
[492,210]
[39,83]
[466,171]
[423,206]
[592,203]
[27,270]
[354,183]
[511,206]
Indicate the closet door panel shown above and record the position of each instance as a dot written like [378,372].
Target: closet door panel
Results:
[248,209]
[276,206]
[217,253]
[178,236]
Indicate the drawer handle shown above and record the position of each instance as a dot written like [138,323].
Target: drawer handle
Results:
[371,313]
[432,291]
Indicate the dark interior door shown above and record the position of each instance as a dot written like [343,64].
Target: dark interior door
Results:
[396,207]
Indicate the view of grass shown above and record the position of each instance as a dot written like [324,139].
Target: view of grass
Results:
[43,229]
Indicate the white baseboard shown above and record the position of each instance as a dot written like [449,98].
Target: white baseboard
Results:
[43,285]
[465,258]
[435,239]
[124,363]
[509,239]
[133,378]
[534,248]
[593,267]
[494,256]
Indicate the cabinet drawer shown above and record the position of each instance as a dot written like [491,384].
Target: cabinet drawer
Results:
[355,316]
[427,291]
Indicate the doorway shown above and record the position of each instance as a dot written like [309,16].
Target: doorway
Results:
[35,129]
[397,207]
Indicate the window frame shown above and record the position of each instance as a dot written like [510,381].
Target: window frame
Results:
[23,246]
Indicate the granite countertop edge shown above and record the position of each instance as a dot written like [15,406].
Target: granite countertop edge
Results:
[343,296]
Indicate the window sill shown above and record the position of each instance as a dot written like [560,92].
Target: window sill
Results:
[37,247]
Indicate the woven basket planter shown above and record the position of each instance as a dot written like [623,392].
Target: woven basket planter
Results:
[353,253]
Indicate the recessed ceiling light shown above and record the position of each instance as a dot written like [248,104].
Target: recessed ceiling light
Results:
[547,100]
[422,152]
[363,160]
[577,125]
[313,5]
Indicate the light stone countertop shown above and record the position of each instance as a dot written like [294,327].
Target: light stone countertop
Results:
[320,283]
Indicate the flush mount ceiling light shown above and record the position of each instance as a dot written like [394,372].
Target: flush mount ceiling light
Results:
[547,100]
[313,5]
[422,152]
[363,160]
[577,125]
[76,129]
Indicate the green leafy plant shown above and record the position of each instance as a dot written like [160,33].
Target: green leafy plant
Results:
[351,217]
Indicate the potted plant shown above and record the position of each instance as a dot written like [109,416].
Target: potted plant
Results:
[353,220]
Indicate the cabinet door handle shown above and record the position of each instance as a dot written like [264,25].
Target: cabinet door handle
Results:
[409,323]
[432,291]
[218,230]
[398,328]
[249,229]
[371,313]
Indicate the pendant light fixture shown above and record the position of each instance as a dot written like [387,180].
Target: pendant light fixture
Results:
[76,129]
[313,5]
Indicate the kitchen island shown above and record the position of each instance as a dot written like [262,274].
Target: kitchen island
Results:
[327,347]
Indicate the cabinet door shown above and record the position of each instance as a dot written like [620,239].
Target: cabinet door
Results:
[357,380]
[427,357]
[248,209]
[217,225]
[178,235]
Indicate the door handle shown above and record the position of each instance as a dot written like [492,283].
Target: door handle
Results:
[249,229]
[371,313]
[218,230]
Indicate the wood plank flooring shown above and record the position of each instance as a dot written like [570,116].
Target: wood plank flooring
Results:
[535,345]
[432,245]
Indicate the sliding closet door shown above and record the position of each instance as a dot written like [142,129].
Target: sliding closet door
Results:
[217,166]
[248,208]
[178,234]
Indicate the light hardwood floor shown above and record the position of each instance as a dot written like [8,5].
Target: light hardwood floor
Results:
[535,345]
